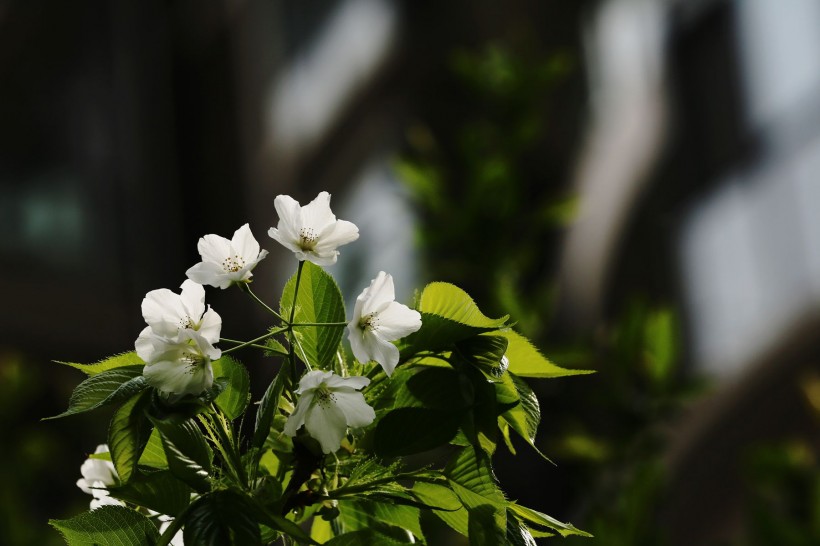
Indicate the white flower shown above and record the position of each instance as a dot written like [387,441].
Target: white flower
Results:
[327,405]
[98,476]
[226,262]
[177,366]
[166,313]
[312,232]
[377,321]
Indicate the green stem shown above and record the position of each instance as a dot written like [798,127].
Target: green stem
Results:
[320,324]
[292,355]
[252,342]
[227,447]
[247,288]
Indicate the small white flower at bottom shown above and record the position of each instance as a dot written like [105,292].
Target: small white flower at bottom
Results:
[98,476]
[328,404]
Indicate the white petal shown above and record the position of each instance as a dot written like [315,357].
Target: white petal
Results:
[317,214]
[192,299]
[356,411]
[356,382]
[163,310]
[357,345]
[397,321]
[312,379]
[326,423]
[214,248]
[325,258]
[175,377]
[337,234]
[146,344]
[290,219]
[297,418]
[210,326]
[383,352]
[379,294]
[209,273]
[244,243]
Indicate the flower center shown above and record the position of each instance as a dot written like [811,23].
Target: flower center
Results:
[232,264]
[324,396]
[186,322]
[369,322]
[192,362]
[307,238]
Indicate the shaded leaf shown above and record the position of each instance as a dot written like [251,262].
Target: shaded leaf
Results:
[159,491]
[108,387]
[405,431]
[128,433]
[188,454]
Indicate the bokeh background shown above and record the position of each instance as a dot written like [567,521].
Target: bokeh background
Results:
[636,181]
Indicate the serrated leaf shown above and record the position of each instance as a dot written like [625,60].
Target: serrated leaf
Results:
[188,454]
[535,518]
[453,303]
[471,477]
[221,518]
[525,416]
[527,361]
[128,433]
[517,533]
[107,526]
[437,333]
[433,388]
[483,525]
[319,301]
[105,388]
[234,398]
[116,361]
[366,514]
[158,491]
[451,512]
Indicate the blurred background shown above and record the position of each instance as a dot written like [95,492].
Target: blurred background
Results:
[636,181]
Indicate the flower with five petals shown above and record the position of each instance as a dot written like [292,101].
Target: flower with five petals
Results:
[226,262]
[312,232]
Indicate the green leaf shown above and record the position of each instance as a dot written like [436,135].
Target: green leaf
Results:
[527,361]
[221,518]
[128,433]
[368,537]
[107,526]
[525,416]
[433,388]
[268,406]
[154,455]
[484,527]
[451,511]
[319,301]
[405,431]
[534,518]
[116,361]
[517,533]
[485,352]
[105,388]
[453,303]
[234,399]
[366,514]
[660,344]
[188,454]
[159,491]
[471,477]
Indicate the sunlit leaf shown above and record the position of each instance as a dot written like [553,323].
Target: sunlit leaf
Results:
[109,387]
[527,361]
[116,361]
[234,398]
[107,526]
[319,301]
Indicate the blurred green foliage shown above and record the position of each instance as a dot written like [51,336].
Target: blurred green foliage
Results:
[493,206]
